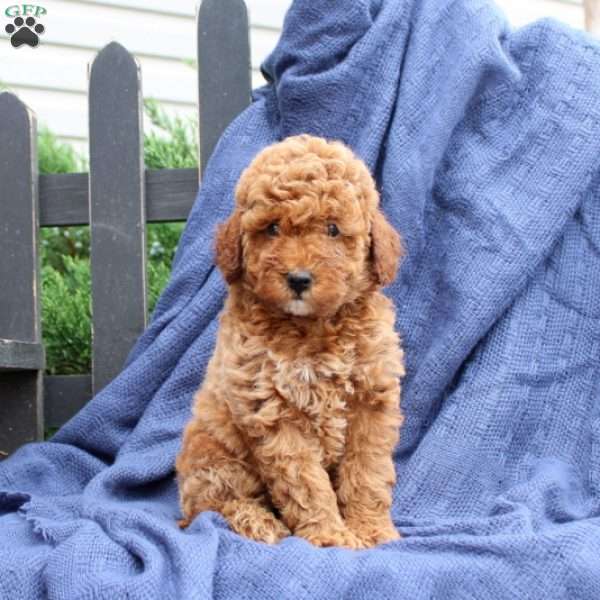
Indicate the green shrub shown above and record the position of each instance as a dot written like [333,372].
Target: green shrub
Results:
[58,242]
[66,312]
[158,276]
[55,156]
[162,240]
[173,144]
[66,316]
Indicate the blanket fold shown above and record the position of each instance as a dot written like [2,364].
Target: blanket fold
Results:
[485,143]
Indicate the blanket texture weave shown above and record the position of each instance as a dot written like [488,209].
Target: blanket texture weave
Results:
[485,143]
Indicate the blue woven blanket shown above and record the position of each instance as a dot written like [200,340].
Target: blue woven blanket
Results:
[486,144]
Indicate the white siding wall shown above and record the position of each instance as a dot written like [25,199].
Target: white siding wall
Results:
[52,78]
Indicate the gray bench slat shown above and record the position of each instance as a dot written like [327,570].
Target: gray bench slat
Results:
[64,396]
[64,199]
[117,211]
[170,195]
[223,69]
[21,418]
[16,355]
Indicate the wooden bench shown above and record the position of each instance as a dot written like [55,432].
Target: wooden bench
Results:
[116,198]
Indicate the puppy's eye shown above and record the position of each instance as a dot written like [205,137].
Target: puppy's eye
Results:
[272,229]
[332,230]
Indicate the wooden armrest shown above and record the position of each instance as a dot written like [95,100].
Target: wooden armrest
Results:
[16,355]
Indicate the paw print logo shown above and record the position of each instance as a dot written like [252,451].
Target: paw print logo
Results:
[24,31]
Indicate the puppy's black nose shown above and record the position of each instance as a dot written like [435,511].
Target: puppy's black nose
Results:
[299,281]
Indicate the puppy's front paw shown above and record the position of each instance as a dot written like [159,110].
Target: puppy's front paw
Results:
[268,529]
[326,536]
[373,533]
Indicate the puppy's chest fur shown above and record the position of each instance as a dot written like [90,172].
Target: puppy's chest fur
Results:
[319,388]
[312,391]
[308,380]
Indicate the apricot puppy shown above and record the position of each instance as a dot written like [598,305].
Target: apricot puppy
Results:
[294,426]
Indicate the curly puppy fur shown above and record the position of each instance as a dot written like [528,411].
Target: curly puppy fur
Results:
[294,426]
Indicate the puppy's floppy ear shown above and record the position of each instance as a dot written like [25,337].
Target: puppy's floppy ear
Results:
[228,248]
[386,249]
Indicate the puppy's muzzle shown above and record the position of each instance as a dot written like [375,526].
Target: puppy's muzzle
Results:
[299,281]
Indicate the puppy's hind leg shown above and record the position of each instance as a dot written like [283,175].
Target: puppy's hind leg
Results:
[211,478]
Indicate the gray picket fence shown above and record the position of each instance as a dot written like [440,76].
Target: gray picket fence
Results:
[116,199]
